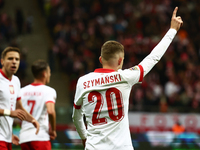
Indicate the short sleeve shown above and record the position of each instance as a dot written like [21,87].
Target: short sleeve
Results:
[50,96]
[78,95]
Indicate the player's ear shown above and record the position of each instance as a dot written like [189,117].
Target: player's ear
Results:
[44,73]
[100,59]
[2,62]
[120,60]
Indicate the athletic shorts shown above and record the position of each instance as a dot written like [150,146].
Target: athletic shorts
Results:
[5,146]
[36,145]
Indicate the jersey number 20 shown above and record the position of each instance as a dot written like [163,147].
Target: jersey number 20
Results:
[110,94]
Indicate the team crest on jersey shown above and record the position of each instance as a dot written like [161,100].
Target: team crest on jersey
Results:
[11,89]
[134,68]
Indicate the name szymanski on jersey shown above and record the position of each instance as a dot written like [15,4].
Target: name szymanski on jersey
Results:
[103,96]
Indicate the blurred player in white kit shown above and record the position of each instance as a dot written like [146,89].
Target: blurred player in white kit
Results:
[10,100]
[103,95]
[39,99]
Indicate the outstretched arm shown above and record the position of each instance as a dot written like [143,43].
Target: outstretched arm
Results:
[149,62]
[28,116]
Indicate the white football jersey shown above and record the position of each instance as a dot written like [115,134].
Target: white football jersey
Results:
[104,96]
[9,93]
[34,98]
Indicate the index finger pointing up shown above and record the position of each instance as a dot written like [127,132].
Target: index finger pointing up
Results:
[174,12]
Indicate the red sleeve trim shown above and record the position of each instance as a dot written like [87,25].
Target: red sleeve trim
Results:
[77,106]
[141,73]
[18,98]
[50,102]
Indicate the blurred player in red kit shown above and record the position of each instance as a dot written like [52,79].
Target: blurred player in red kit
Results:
[10,100]
[103,95]
[39,99]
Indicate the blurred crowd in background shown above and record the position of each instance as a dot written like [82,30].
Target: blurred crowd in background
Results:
[80,27]
[10,30]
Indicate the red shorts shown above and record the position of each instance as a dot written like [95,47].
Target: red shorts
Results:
[36,145]
[5,146]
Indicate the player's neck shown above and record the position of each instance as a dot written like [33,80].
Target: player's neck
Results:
[110,67]
[9,76]
[114,64]
[39,81]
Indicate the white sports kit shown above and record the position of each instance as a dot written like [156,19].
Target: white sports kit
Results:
[103,96]
[9,94]
[34,98]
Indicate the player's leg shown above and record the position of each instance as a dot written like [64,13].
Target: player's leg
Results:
[40,145]
[25,146]
[5,146]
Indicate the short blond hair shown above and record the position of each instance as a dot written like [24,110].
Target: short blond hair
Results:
[110,48]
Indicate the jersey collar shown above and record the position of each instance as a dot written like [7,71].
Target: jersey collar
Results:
[36,84]
[4,74]
[103,70]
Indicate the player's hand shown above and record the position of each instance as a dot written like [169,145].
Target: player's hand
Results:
[83,141]
[15,140]
[176,21]
[36,124]
[53,135]
[18,113]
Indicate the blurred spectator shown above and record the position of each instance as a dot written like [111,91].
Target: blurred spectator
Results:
[29,23]
[178,128]
[19,20]
[7,32]
[8,37]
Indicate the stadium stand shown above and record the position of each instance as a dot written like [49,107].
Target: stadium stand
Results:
[80,27]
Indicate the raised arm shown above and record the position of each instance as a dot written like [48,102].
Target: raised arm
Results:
[149,61]
[176,21]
